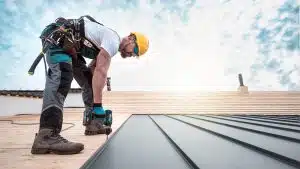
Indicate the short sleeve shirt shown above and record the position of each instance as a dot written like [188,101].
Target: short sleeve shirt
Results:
[102,36]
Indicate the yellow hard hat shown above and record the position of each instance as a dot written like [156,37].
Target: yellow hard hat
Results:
[142,43]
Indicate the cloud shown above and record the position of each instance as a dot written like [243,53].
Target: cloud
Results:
[193,44]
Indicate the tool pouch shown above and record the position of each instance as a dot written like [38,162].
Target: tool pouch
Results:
[59,34]
[67,42]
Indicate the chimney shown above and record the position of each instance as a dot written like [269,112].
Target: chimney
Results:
[242,88]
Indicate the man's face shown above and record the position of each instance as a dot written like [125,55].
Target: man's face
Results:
[127,47]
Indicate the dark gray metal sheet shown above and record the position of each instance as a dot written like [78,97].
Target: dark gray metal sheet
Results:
[296,124]
[295,119]
[257,122]
[211,152]
[279,146]
[175,141]
[252,126]
[139,145]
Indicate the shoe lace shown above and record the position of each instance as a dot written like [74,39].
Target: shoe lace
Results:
[59,137]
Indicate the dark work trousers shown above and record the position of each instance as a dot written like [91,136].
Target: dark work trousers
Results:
[61,71]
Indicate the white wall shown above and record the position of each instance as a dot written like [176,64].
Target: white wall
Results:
[11,105]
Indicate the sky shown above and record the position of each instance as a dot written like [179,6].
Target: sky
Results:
[194,45]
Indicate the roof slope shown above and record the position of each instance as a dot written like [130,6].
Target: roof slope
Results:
[174,130]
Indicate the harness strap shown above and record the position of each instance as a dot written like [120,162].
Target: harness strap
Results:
[82,31]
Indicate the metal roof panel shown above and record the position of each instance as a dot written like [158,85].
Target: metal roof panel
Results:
[202,144]
[139,144]
[254,128]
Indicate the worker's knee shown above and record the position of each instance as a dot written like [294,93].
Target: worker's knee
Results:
[59,79]
[60,71]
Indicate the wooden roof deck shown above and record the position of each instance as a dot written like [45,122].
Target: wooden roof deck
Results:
[16,140]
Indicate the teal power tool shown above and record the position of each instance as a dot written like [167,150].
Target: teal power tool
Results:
[89,116]
[108,118]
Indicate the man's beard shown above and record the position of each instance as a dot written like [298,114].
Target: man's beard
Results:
[124,54]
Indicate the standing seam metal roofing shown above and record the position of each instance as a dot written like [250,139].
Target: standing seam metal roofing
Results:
[201,141]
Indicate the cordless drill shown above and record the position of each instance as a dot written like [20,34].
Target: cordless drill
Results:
[108,121]
[89,116]
[108,118]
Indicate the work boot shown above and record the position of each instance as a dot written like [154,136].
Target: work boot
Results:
[96,127]
[46,141]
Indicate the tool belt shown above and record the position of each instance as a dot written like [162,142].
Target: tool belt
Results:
[67,34]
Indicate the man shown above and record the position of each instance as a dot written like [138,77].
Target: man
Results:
[85,37]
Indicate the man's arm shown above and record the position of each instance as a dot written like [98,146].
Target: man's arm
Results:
[100,73]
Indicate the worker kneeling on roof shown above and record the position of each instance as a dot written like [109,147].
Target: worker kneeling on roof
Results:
[65,44]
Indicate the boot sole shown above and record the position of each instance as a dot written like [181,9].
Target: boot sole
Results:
[40,151]
[48,151]
[90,133]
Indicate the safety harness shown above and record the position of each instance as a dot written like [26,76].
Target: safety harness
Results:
[67,34]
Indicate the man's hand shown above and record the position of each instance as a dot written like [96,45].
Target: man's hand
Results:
[100,73]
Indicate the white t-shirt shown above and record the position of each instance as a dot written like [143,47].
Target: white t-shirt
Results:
[102,36]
